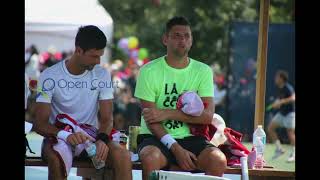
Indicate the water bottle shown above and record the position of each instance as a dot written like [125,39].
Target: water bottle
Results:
[259,142]
[91,150]
[123,139]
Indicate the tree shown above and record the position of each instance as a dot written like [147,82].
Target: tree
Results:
[210,20]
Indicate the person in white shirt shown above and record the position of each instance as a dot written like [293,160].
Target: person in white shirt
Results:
[32,59]
[79,87]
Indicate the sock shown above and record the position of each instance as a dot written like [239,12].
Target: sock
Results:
[278,144]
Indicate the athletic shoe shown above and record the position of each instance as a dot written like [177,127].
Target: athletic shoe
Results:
[278,153]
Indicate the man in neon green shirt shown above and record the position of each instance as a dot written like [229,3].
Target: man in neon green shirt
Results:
[165,138]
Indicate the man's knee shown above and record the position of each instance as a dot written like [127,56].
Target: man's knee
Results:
[120,155]
[272,126]
[213,158]
[218,157]
[50,156]
[55,166]
[150,155]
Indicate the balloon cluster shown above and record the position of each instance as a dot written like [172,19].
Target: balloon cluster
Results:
[136,54]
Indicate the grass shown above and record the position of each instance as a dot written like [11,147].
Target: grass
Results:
[280,162]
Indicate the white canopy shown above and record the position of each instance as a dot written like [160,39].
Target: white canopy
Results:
[55,23]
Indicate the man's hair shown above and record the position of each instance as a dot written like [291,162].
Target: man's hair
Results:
[90,37]
[283,74]
[177,20]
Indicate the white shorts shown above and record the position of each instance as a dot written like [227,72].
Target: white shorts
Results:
[288,121]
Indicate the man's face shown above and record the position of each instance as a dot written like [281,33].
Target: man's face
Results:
[178,40]
[89,58]
[278,80]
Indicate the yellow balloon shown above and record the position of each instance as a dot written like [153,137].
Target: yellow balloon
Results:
[133,42]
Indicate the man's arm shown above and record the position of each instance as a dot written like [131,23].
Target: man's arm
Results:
[44,128]
[288,100]
[105,126]
[204,118]
[41,124]
[280,102]
[155,128]
[157,115]
[183,156]
[106,118]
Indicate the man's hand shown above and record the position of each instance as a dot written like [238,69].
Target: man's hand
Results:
[276,104]
[78,138]
[153,115]
[102,150]
[184,157]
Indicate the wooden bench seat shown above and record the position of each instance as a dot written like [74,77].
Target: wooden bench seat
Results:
[265,173]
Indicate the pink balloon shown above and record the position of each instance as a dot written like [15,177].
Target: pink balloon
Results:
[58,56]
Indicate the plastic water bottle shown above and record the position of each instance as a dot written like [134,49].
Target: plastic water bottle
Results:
[123,139]
[259,142]
[91,150]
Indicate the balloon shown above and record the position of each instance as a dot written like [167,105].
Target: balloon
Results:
[58,56]
[133,42]
[143,53]
[44,57]
[145,61]
[126,51]
[140,62]
[134,54]
[123,43]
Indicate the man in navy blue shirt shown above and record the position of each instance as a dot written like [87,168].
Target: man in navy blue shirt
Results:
[285,116]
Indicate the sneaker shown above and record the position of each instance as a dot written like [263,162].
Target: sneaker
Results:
[291,158]
[278,153]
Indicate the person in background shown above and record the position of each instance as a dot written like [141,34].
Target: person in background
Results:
[220,94]
[285,117]
[32,63]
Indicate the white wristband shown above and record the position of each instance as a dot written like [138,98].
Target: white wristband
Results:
[63,135]
[167,140]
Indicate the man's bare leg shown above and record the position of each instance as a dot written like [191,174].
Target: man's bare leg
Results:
[274,138]
[212,161]
[292,138]
[151,159]
[120,160]
[55,171]
[272,131]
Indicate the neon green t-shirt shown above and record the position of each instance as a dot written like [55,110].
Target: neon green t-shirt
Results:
[162,84]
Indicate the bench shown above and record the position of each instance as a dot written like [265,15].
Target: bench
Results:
[87,171]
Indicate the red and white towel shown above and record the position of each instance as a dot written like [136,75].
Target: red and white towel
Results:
[65,150]
[226,139]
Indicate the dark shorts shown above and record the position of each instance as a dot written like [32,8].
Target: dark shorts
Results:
[194,144]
